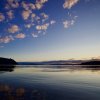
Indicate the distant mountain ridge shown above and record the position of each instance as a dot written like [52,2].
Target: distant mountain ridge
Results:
[59,62]
[7,61]
[63,62]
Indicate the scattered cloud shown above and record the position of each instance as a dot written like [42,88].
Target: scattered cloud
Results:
[37,18]
[20,36]
[33,18]
[42,27]
[41,1]
[68,23]
[32,6]
[69,3]
[10,14]
[39,5]
[44,15]
[13,3]
[52,22]
[2,17]
[34,35]
[13,29]
[6,39]
[70,20]
[28,5]
[24,5]
[28,26]
[26,14]
[33,15]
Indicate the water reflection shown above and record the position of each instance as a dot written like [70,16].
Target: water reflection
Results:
[20,93]
[50,83]
[9,68]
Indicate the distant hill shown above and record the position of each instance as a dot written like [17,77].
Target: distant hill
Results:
[59,62]
[63,62]
[6,61]
[91,62]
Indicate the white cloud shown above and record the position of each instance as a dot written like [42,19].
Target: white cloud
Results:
[39,32]
[39,5]
[38,27]
[37,18]
[95,58]
[28,5]
[13,29]
[33,15]
[13,3]
[20,36]
[25,5]
[44,15]
[41,1]
[28,26]
[42,27]
[52,22]
[70,3]
[2,17]
[10,14]
[32,6]
[26,14]
[6,39]
[34,35]
[68,23]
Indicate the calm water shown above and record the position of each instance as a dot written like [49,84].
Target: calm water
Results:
[50,83]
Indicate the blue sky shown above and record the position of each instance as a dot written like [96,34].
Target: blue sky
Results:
[38,30]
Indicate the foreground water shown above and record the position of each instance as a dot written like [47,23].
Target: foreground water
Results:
[50,83]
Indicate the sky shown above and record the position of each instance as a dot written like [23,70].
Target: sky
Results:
[42,30]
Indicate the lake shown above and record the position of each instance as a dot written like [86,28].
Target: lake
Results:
[50,82]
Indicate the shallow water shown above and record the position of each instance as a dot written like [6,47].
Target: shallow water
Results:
[50,83]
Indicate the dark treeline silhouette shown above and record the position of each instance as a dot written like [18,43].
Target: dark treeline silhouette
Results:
[6,61]
[91,63]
